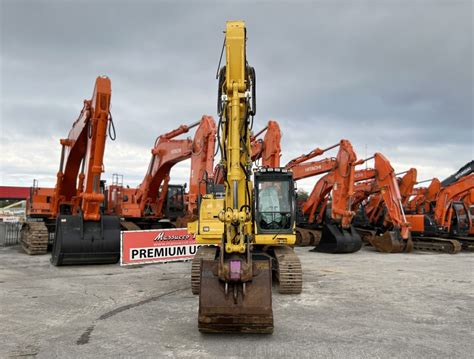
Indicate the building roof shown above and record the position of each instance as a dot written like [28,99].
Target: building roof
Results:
[11,192]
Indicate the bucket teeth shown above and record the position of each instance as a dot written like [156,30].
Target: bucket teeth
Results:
[242,308]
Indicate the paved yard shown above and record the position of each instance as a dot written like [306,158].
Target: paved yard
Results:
[364,304]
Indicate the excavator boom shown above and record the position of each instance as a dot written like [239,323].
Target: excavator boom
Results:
[83,234]
[268,149]
[338,236]
[155,202]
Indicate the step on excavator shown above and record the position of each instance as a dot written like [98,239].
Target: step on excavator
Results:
[338,235]
[252,226]
[155,203]
[83,234]
[446,227]
[393,235]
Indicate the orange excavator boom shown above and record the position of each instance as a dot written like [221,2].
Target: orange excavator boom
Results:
[337,234]
[83,235]
[383,180]
[268,149]
[149,204]
[447,195]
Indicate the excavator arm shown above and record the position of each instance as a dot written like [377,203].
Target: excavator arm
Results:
[337,235]
[268,149]
[167,151]
[423,196]
[389,189]
[145,205]
[83,234]
[202,161]
[375,206]
[81,165]
[385,182]
[443,210]
[406,185]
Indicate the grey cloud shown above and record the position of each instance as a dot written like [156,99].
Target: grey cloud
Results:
[395,76]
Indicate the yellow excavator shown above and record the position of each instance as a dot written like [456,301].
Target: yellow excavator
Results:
[251,225]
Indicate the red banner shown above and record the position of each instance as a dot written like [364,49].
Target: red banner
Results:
[155,246]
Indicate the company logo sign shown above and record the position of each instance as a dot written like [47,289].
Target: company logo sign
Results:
[157,246]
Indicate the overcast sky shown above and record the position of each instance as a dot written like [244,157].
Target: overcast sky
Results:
[391,76]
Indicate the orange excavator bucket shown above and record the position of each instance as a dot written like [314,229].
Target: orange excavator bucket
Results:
[391,242]
[244,308]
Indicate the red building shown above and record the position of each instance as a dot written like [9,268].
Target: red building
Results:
[11,192]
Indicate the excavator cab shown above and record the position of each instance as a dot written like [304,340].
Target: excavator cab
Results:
[460,219]
[175,202]
[274,201]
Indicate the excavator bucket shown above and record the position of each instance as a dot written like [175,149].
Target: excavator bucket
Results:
[391,242]
[86,242]
[335,239]
[236,311]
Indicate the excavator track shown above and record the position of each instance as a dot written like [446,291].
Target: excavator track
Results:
[307,237]
[436,244]
[129,226]
[467,243]
[34,238]
[289,273]
[203,253]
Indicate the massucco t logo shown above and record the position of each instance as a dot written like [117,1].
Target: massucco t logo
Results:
[174,237]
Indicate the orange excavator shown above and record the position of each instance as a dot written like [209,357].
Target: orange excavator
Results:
[83,234]
[375,209]
[468,200]
[448,218]
[423,197]
[268,149]
[338,235]
[156,203]
[394,235]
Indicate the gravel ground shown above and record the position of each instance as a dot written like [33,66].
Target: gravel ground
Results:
[365,304]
